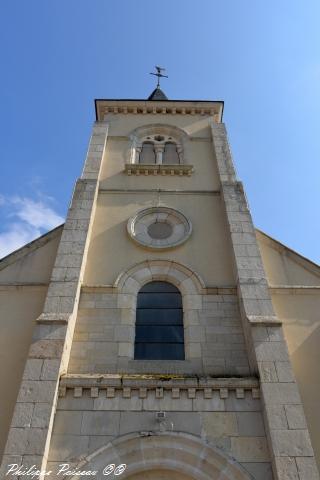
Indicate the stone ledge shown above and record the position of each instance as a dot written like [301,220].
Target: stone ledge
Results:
[295,289]
[53,318]
[210,290]
[140,169]
[264,320]
[220,291]
[124,385]
[22,286]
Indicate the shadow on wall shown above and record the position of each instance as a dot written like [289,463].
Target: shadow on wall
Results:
[306,361]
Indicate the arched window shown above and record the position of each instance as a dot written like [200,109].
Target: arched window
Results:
[147,155]
[159,323]
[170,156]
[150,144]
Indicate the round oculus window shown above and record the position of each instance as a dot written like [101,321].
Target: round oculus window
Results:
[159,228]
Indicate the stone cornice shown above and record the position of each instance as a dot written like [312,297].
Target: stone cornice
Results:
[173,107]
[125,385]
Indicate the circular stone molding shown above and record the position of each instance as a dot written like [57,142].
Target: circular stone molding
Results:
[159,228]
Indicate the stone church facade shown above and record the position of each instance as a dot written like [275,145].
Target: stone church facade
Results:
[152,329]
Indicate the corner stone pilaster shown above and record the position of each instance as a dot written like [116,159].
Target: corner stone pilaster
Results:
[288,436]
[30,431]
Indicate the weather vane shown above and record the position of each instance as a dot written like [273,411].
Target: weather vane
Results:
[159,74]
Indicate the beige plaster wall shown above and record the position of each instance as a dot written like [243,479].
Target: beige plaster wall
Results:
[19,307]
[21,302]
[111,250]
[300,315]
[299,310]
[29,264]
[285,267]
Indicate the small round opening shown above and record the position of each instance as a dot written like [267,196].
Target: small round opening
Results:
[160,230]
[159,138]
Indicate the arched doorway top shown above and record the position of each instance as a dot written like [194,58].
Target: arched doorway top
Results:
[186,455]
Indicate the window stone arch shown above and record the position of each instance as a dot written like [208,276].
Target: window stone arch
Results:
[189,283]
[162,137]
[187,280]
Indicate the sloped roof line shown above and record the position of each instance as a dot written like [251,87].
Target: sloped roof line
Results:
[30,247]
[315,267]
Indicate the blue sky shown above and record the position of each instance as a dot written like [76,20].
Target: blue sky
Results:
[261,58]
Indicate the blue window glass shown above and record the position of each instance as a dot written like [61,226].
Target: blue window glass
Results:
[159,323]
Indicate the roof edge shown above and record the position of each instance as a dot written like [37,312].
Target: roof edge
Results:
[29,247]
[313,266]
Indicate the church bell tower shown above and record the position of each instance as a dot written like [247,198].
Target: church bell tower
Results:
[158,349]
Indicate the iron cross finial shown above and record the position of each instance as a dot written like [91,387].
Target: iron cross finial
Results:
[159,74]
